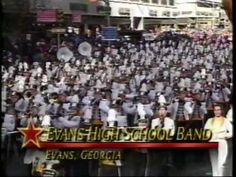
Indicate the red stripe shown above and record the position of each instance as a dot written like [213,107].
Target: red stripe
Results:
[130,145]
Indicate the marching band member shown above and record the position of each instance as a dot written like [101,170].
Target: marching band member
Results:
[9,120]
[222,130]
[162,121]
[146,68]
[104,106]
[25,66]
[178,110]
[67,122]
[112,117]
[21,104]
[87,113]
[129,109]
[160,157]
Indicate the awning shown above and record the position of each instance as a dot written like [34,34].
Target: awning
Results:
[159,21]
[184,21]
[204,19]
[120,20]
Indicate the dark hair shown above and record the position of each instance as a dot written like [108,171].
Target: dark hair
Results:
[218,105]
[163,107]
[19,95]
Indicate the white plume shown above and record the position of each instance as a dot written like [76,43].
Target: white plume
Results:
[141,111]
[112,115]
[161,99]
[46,120]
[188,107]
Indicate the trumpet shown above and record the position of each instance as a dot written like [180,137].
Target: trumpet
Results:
[28,94]
[108,162]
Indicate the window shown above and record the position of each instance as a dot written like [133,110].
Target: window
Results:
[166,13]
[186,12]
[171,2]
[155,1]
[163,2]
[153,13]
[199,13]
[175,13]
[124,11]
[78,6]
[145,1]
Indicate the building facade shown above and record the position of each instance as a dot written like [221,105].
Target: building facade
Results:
[134,14]
[145,13]
[191,13]
[203,13]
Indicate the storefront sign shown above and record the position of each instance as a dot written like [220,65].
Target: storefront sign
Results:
[109,33]
[104,10]
[47,16]
[124,11]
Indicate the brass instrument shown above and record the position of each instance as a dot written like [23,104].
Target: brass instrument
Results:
[64,54]
[85,49]
[28,94]
[108,162]
[70,80]
[96,121]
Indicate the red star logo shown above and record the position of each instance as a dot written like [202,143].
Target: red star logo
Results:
[31,134]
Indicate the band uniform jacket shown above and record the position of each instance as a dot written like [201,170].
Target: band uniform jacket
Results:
[173,109]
